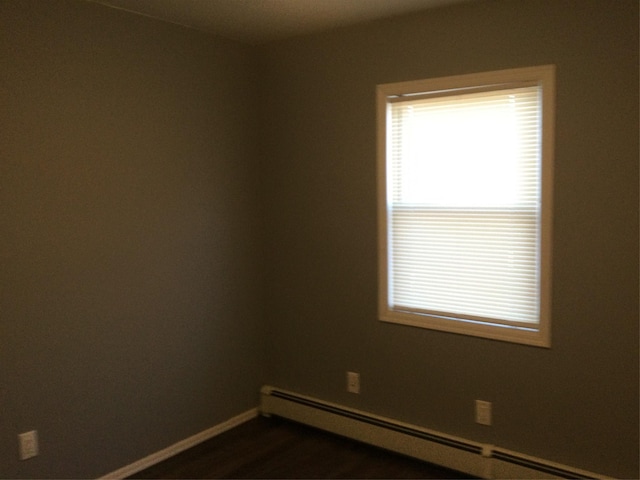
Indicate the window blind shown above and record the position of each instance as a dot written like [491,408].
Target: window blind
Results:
[463,204]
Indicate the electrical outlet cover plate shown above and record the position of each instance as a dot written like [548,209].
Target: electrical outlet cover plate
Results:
[28,443]
[483,412]
[353,382]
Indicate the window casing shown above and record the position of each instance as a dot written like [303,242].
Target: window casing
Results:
[464,203]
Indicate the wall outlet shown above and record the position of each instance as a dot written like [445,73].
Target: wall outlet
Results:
[28,444]
[353,382]
[483,412]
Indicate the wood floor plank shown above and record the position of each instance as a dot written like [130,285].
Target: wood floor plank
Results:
[278,448]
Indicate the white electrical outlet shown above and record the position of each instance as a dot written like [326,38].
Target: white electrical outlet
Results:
[483,412]
[28,444]
[353,382]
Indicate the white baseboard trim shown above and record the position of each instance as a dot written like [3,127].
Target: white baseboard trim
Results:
[180,446]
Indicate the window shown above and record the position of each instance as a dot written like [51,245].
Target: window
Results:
[465,181]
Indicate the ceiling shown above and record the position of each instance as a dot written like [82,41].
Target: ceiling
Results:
[259,21]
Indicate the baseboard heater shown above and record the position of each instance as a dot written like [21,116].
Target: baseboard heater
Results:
[476,459]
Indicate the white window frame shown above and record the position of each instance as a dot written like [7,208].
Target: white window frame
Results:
[537,334]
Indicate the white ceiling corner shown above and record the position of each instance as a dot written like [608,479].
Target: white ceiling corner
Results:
[259,21]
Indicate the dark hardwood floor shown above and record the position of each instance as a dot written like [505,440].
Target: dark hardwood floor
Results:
[277,448]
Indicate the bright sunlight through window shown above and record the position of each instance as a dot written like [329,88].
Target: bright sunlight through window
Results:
[465,201]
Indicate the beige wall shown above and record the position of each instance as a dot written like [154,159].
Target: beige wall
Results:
[129,287]
[576,403]
[150,175]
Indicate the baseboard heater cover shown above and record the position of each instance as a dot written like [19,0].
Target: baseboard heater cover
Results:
[473,458]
